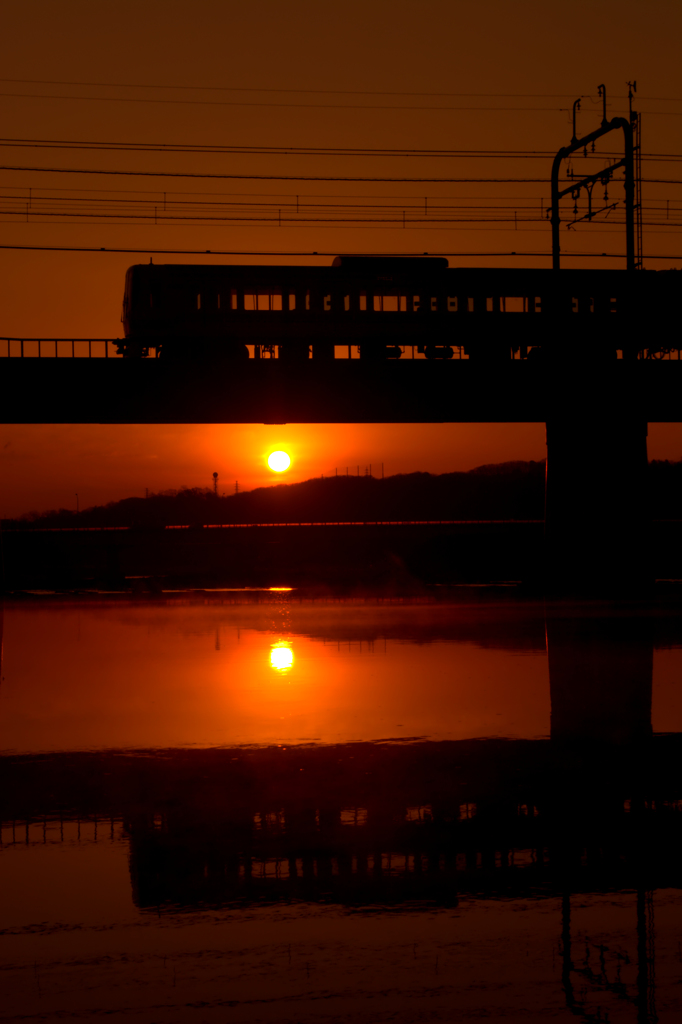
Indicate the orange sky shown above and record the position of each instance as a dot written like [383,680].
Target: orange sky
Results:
[523,63]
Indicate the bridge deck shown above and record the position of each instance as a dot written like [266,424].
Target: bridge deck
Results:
[340,391]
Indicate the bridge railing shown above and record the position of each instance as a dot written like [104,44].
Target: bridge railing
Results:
[59,348]
[107,348]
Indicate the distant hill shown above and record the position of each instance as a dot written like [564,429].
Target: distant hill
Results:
[510,490]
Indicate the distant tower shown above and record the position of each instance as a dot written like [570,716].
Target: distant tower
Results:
[215,484]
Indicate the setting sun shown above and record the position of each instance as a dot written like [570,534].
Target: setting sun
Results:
[281,658]
[278,462]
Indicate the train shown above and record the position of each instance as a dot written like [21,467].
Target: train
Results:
[376,308]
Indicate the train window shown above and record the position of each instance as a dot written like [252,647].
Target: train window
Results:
[363,301]
[489,305]
[514,304]
[470,305]
[327,304]
[218,300]
[292,301]
[390,303]
[591,305]
[538,304]
[416,303]
[198,301]
[233,298]
[263,301]
[575,305]
[307,300]
[613,305]
[452,304]
[346,304]
[151,299]
[434,304]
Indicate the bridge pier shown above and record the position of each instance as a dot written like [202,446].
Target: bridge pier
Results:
[600,676]
[597,533]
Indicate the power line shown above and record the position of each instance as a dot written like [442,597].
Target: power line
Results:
[304,106]
[317,92]
[328,222]
[299,177]
[330,151]
[245,103]
[321,92]
[292,214]
[287,196]
[521,227]
[281,252]
[335,151]
[268,177]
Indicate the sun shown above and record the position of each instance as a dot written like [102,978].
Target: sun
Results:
[281,657]
[278,462]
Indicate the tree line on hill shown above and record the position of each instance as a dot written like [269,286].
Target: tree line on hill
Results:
[511,490]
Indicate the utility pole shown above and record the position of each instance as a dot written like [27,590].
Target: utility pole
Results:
[603,176]
[215,484]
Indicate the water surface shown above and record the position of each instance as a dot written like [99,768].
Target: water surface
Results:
[262,809]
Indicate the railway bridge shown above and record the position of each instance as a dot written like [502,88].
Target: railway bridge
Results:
[596,411]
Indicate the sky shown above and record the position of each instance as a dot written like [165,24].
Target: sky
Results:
[437,75]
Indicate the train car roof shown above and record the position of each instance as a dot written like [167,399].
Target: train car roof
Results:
[367,267]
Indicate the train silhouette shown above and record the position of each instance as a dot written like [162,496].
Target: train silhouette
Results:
[394,307]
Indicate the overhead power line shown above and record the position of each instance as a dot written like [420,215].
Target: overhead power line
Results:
[411,222]
[264,177]
[330,151]
[282,252]
[296,177]
[411,212]
[42,192]
[333,151]
[301,106]
[311,92]
[264,103]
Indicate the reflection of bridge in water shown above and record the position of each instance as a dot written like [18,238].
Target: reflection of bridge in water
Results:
[596,804]
[596,807]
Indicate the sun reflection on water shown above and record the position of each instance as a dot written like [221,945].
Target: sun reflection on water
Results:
[281,657]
